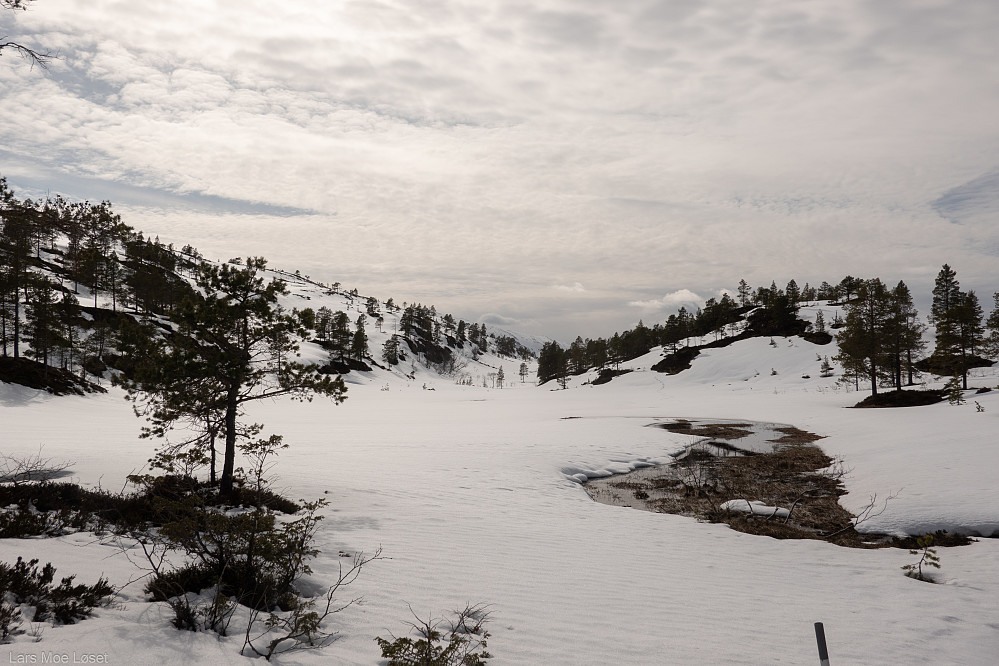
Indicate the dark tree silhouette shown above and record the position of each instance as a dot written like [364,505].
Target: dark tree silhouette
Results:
[228,349]
[36,57]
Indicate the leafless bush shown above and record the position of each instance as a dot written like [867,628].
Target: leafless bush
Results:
[873,509]
[35,467]
[301,627]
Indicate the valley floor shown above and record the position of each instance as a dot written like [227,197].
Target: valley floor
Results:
[473,495]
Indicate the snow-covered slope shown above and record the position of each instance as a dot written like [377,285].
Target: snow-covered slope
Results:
[472,493]
[472,365]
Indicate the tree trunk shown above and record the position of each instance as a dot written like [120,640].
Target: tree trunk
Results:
[229,457]
[964,368]
[213,479]
[17,324]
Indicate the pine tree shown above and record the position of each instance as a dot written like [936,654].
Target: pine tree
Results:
[390,350]
[340,336]
[943,312]
[219,358]
[957,317]
[68,314]
[359,343]
[16,222]
[792,291]
[324,323]
[42,327]
[970,332]
[745,292]
[861,340]
[990,344]
[953,390]
[848,286]
[308,317]
[577,356]
[903,334]
[552,362]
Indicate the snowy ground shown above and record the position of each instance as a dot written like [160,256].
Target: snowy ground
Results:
[471,493]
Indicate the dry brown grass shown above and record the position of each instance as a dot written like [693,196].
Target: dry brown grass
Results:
[796,475]
[714,430]
[794,435]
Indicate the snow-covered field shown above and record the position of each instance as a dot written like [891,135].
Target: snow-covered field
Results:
[472,494]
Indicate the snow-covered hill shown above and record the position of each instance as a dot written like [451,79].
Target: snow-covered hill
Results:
[472,364]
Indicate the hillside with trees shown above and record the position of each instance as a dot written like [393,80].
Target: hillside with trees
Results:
[83,295]
[879,338]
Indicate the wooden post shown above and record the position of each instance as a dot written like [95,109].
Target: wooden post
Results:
[820,638]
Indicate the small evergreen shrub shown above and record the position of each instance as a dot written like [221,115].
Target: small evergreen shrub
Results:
[190,578]
[65,603]
[955,395]
[463,643]
[927,558]
[249,556]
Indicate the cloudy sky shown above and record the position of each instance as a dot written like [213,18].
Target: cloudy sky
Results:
[562,167]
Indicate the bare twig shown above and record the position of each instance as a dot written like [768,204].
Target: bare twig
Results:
[35,57]
[303,626]
[867,513]
[34,467]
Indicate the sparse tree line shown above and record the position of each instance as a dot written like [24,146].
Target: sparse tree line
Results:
[880,340]
[40,281]
[431,333]
[882,334]
[774,312]
[61,263]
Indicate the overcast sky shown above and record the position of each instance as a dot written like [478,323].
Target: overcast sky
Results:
[561,167]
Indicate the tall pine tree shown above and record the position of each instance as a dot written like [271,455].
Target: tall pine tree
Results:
[904,334]
[862,338]
[991,343]
[970,332]
[943,312]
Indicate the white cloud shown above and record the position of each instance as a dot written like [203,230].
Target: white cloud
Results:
[475,149]
[674,299]
[498,320]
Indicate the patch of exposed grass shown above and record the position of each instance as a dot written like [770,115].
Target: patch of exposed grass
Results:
[796,476]
[714,430]
[794,435]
